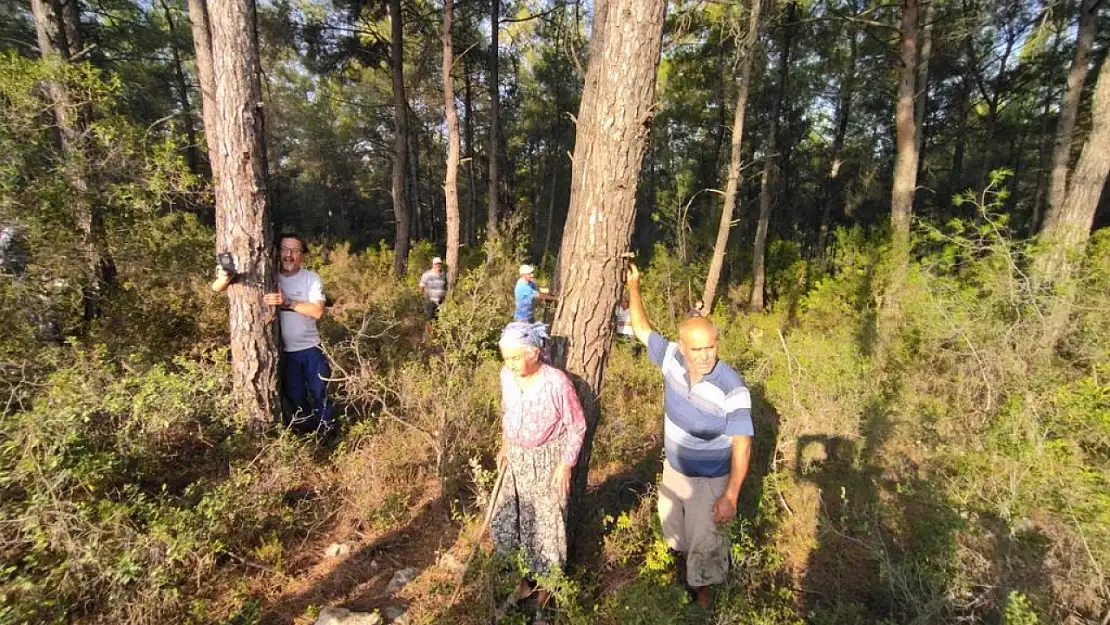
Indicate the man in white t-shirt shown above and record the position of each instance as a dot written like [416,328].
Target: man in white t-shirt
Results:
[300,299]
[304,368]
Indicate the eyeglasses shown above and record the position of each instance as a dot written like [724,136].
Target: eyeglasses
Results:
[292,250]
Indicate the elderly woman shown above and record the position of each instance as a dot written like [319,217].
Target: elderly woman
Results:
[542,432]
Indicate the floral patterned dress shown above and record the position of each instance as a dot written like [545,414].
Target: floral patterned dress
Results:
[542,427]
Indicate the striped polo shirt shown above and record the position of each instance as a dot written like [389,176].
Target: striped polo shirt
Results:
[699,421]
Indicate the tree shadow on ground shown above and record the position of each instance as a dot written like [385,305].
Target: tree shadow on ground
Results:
[359,582]
[764,459]
[889,539]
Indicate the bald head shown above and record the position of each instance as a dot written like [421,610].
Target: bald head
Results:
[697,339]
[697,329]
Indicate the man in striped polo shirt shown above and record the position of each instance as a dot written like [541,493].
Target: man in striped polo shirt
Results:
[707,433]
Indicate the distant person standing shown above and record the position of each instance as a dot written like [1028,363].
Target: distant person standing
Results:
[623,321]
[433,284]
[526,293]
[300,301]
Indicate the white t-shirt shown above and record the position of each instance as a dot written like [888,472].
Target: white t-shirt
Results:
[299,331]
[624,322]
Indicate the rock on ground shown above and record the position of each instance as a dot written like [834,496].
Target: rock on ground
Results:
[343,616]
[400,579]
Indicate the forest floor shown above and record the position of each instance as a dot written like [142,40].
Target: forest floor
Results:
[432,547]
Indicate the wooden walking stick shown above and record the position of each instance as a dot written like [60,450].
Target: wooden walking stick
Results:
[481,532]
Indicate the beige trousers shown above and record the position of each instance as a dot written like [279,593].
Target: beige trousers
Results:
[686,514]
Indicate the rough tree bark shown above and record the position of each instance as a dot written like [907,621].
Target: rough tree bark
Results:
[1069,110]
[400,139]
[1066,231]
[57,27]
[612,130]
[905,160]
[451,180]
[494,128]
[202,47]
[748,50]
[242,210]
[759,271]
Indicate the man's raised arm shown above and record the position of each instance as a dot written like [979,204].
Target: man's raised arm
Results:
[641,327]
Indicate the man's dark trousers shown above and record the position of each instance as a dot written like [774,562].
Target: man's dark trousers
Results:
[304,385]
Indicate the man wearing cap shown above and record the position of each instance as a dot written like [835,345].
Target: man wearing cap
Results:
[707,434]
[525,293]
[433,284]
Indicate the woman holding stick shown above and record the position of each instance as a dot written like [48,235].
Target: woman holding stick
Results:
[542,429]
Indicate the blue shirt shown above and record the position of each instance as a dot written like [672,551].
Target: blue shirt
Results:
[524,292]
[700,420]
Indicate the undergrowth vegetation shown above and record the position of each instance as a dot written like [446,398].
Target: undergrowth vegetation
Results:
[935,461]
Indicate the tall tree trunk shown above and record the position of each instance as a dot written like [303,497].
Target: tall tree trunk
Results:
[751,44]
[1040,193]
[242,210]
[922,86]
[547,234]
[494,128]
[921,102]
[612,130]
[472,183]
[400,139]
[420,224]
[833,185]
[1069,109]
[755,302]
[451,179]
[956,174]
[192,158]
[202,47]
[1065,231]
[59,37]
[905,160]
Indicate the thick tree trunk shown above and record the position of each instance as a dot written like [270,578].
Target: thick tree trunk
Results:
[1069,109]
[57,27]
[192,158]
[451,180]
[905,160]
[833,184]
[400,139]
[612,130]
[202,46]
[751,44]
[755,302]
[1066,231]
[472,183]
[494,128]
[242,210]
